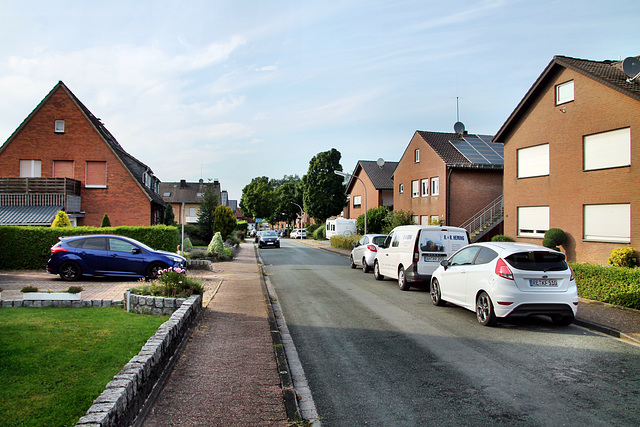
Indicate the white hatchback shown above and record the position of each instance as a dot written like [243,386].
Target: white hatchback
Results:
[500,279]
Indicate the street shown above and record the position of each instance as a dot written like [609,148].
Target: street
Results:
[374,355]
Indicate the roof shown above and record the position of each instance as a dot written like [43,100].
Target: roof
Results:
[183,192]
[447,146]
[380,176]
[608,73]
[28,215]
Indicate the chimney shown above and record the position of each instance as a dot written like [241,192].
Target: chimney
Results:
[183,183]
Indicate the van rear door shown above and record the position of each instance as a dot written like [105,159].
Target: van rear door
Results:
[436,245]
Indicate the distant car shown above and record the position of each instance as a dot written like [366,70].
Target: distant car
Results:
[364,252]
[506,279]
[257,236]
[299,233]
[108,255]
[269,238]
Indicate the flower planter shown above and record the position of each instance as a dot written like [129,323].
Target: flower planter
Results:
[58,296]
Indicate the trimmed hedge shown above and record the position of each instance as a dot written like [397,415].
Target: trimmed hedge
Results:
[28,248]
[613,285]
[344,242]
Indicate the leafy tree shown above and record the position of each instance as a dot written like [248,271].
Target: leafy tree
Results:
[169,217]
[376,220]
[288,193]
[323,190]
[106,222]
[397,218]
[258,198]
[224,221]
[205,211]
[61,220]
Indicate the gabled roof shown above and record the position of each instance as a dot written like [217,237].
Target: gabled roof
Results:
[445,145]
[187,192]
[608,73]
[380,176]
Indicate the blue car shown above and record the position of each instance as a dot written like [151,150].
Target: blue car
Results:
[108,255]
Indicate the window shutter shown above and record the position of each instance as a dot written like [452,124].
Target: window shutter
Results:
[96,174]
[63,169]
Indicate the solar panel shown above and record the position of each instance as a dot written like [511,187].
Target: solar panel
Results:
[480,150]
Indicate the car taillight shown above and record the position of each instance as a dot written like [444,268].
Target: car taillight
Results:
[502,269]
[372,248]
[56,249]
[572,275]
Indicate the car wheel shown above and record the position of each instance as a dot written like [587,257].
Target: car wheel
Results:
[562,320]
[436,296]
[70,271]
[484,310]
[376,271]
[365,266]
[351,263]
[402,280]
[153,271]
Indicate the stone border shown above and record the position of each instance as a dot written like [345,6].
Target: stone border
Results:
[145,304]
[61,303]
[126,394]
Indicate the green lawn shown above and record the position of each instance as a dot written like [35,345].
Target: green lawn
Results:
[55,361]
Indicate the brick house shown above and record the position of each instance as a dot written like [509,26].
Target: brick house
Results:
[185,198]
[572,150]
[61,145]
[452,179]
[376,180]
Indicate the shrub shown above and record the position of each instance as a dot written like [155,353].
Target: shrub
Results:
[197,254]
[187,245]
[311,228]
[29,289]
[613,285]
[320,234]
[106,222]
[74,289]
[397,218]
[171,283]
[624,257]
[502,238]
[344,242]
[553,238]
[377,219]
[61,220]
[216,248]
[224,221]
[233,239]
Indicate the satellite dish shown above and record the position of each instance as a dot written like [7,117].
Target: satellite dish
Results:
[631,67]
[458,127]
[380,162]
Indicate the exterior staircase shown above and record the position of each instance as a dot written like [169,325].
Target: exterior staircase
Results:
[485,220]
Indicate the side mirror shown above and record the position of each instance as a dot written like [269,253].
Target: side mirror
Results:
[136,251]
[444,263]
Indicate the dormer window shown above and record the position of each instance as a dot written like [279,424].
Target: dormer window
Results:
[59,126]
[564,92]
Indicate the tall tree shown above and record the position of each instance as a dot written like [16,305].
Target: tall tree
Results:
[169,216]
[224,221]
[324,191]
[287,193]
[258,198]
[205,210]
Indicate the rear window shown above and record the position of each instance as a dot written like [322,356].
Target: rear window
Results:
[378,240]
[538,261]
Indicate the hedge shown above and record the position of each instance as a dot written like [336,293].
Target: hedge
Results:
[344,242]
[613,285]
[28,248]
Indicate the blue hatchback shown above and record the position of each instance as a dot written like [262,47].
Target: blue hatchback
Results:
[108,255]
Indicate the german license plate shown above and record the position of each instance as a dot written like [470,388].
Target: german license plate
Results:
[432,259]
[543,283]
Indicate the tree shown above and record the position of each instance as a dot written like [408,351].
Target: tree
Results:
[397,218]
[106,222]
[169,217]
[288,193]
[61,220]
[376,220]
[323,190]
[224,221]
[205,210]
[258,198]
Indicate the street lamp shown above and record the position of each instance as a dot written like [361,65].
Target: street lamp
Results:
[344,174]
[294,203]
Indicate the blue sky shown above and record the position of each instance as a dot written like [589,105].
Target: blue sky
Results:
[237,89]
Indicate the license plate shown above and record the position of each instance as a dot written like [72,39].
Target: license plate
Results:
[542,283]
[432,259]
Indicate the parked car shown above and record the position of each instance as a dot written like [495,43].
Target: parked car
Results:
[269,238]
[108,255]
[299,233]
[411,253]
[257,236]
[506,279]
[364,252]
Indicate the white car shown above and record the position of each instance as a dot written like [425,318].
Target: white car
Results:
[364,252]
[298,233]
[505,279]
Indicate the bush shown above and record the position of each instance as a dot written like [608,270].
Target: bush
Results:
[377,219]
[624,257]
[553,238]
[106,222]
[29,289]
[311,228]
[172,283]
[613,285]
[188,246]
[320,234]
[234,240]
[74,289]
[61,220]
[502,238]
[344,242]
[396,219]
[216,248]
[197,254]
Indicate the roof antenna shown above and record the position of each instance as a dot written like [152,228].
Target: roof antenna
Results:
[458,126]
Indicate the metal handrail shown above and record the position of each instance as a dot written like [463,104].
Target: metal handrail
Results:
[484,216]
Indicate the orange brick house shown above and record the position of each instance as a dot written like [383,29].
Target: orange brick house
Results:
[185,198]
[572,156]
[451,179]
[376,179]
[60,142]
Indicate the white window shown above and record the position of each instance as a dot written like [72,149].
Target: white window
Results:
[357,201]
[435,220]
[415,219]
[607,223]
[59,126]
[533,161]
[533,221]
[564,92]
[415,188]
[607,149]
[30,168]
[424,219]
[401,188]
[435,186]
[192,212]
[417,154]
[424,185]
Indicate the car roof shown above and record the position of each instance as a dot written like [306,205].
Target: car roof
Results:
[508,248]
[428,227]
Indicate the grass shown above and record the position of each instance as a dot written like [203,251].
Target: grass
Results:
[54,362]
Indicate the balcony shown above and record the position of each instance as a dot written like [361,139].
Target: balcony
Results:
[63,192]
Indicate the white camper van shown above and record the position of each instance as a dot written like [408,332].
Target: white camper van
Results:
[411,253]
[340,226]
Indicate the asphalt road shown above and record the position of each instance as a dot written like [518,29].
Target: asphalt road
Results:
[374,355]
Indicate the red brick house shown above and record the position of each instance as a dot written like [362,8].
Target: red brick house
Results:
[376,179]
[572,151]
[452,179]
[62,148]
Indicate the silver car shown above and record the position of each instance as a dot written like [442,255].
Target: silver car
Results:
[364,252]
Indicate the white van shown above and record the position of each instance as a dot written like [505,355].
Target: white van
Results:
[411,253]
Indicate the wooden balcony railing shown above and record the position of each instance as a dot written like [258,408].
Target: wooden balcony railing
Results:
[63,192]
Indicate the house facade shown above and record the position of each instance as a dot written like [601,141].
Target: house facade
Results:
[185,198]
[448,178]
[370,186]
[572,151]
[61,139]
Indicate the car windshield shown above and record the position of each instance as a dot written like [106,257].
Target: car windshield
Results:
[538,261]
[378,240]
[268,233]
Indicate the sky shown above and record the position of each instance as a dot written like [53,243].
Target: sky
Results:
[237,89]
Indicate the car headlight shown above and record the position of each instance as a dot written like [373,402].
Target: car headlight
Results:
[175,259]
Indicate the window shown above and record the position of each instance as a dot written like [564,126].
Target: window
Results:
[96,175]
[118,245]
[63,168]
[533,221]
[59,126]
[357,201]
[424,220]
[485,256]
[533,161]
[435,186]
[166,194]
[415,188]
[424,185]
[607,223]
[401,188]
[30,168]
[434,220]
[415,219]
[192,212]
[95,243]
[564,92]
[465,256]
[417,156]
[607,149]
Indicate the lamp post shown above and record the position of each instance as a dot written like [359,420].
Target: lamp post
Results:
[344,174]
[300,207]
